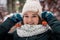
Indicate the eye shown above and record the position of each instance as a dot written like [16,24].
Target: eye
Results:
[34,16]
[26,16]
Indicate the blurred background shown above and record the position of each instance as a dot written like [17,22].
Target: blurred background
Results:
[12,6]
[9,7]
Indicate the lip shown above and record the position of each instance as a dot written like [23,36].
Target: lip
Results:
[30,23]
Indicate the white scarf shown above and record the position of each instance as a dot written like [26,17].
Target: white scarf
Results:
[31,30]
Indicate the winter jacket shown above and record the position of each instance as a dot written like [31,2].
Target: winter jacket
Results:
[5,27]
[54,34]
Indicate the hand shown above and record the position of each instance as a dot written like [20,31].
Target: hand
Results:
[47,15]
[16,17]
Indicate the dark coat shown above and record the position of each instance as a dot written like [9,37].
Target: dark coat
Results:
[53,35]
[4,28]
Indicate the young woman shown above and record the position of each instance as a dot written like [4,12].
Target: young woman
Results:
[31,27]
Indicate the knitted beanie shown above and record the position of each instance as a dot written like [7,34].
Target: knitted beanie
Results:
[32,5]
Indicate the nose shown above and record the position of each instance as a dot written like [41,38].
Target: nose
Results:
[30,21]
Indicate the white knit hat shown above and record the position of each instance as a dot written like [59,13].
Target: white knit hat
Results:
[32,5]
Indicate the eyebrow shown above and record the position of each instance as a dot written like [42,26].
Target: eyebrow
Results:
[34,14]
[25,14]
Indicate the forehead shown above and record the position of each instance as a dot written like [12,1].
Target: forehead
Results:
[31,13]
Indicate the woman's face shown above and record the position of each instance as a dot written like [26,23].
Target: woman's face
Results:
[30,18]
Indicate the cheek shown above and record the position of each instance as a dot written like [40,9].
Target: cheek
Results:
[36,20]
[24,20]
